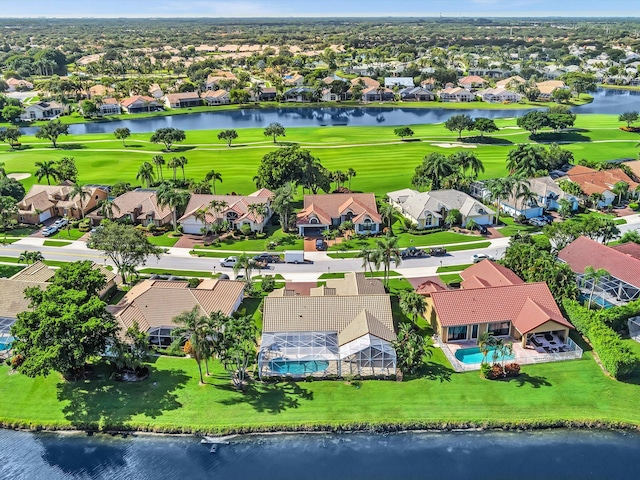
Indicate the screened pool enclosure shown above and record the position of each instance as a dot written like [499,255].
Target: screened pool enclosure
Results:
[319,354]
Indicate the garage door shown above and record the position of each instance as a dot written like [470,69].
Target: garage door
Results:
[45,216]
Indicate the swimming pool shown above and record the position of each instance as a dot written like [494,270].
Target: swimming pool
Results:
[597,300]
[474,355]
[5,343]
[297,367]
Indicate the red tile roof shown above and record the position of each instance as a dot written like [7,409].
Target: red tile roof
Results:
[334,205]
[583,252]
[143,98]
[598,181]
[428,287]
[494,304]
[488,274]
[534,315]
[629,248]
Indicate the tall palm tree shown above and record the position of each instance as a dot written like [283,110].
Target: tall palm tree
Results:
[486,342]
[218,206]
[256,89]
[213,177]
[436,166]
[182,161]
[201,215]
[498,189]
[595,276]
[366,254]
[145,174]
[174,164]
[196,329]
[107,207]
[387,211]
[259,211]
[46,169]
[174,199]
[282,204]
[412,305]
[467,161]
[620,188]
[79,190]
[245,262]
[158,161]
[595,198]
[350,174]
[386,251]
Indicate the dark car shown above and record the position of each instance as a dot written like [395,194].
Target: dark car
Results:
[266,258]
[321,244]
[482,229]
[438,251]
[410,252]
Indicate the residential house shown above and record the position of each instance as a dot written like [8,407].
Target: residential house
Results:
[139,206]
[472,82]
[622,282]
[182,100]
[329,96]
[155,91]
[109,106]
[429,83]
[298,94]
[510,82]
[547,88]
[268,94]
[366,82]
[293,80]
[599,181]
[140,104]
[402,82]
[153,304]
[322,212]
[100,91]
[375,94]
[43,111]
[213,80]
[342,328]
[38,272]
[237,210]
[548,195]
[456,94]
[430,209]
[499,95]
[495,300]
[18,85]
[216,97]
[46,201]
[417,94]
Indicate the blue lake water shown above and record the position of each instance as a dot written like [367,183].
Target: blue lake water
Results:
[451,456]
[605,101]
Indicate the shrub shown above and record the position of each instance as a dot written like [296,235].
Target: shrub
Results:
[17,360]
[520,219]
[245,229]
[268,283]
[152,227]
[485,370]
[186,348]
[634,206]
[194,282]
[616,357]
[512,369]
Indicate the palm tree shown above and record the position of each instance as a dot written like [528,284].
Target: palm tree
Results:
[350,174]
[366,255]
[387,211]
[46,169]
[107,207]
[468,161]
[182,161]
[486,342]
[30,257]
[245,262]
[196,329]
[201,215]
[258,210]
[412,304]
[213,177]
[174,199]
[471,224]
[595,198]
[498,189]
[256,89]
[436,166]
[158,161]
[145,174]
[386,251]
[595,276]
[218,207]
[174,164]
[381,89]
[81,192]
[620,188]
[3,172]
[282,204]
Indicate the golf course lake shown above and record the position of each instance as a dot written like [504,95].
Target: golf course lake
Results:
[604,101]
[540,455]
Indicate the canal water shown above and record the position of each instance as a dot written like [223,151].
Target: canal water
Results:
[605,101]
[549,455]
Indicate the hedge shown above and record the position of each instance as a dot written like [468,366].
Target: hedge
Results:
[616,357]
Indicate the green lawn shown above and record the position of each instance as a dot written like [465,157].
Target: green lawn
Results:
[165,240]
[177,273]
[511,227]
[71,234]
[450,278]
[285,241]
[19,232]
[453,268]
[55,243]
[102,159]
[7,271]
[407,240]
[172,400]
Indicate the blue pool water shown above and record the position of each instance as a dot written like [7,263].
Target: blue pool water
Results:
[597,300]
[298,367]
[5,344]
[474,355]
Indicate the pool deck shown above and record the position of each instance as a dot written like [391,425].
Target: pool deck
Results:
[523,356]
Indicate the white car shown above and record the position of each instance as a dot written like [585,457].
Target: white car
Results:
[47,231]
[478,257]
[229,262]
[61,223]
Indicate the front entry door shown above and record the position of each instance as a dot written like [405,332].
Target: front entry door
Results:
[474,332]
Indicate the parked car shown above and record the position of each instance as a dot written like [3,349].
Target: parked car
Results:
[223,276]
[321,244]
[267,258]
[229,261]
[537,221]
[240,277]
[438,251]
[548,218]
[411,252]
[478,257]
[47,231]
[61,223]
[481,228]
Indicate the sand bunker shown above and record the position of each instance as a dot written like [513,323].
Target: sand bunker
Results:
[453,145]
[511,128]
[19,176]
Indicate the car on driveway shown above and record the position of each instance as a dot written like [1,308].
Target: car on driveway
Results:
[229,261]
[437,251]
[48,231]
[478,257]
[61,223]
[538,222]
[321,244]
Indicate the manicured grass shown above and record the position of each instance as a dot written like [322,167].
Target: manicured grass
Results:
[177,273]
[380,274]
[205,253]
[450,278]
[102,159]
[8,241]
[7,271]
[286,241]
[512,228]
[71,234]
[453,268]
[467,246]
[165,240]
[55,243]
[172,399]
[407,240]
[582,216]
[19,232]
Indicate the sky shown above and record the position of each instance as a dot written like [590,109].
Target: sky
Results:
[322,8]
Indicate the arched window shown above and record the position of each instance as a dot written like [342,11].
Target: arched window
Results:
[313,220]
[367,225]
[232,216]
[428,220]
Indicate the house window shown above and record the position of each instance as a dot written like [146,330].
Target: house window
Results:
[232,216]
[428,220]
[499,329]
[314,220]
[457,333]
[367,225]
